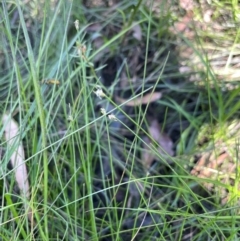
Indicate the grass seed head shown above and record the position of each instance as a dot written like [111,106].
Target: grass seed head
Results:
[76,23]
[103,111]
[99,93]
[112,117]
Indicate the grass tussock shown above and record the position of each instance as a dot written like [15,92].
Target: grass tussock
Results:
[127,118]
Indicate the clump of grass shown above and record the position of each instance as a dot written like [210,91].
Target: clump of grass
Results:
[87,177]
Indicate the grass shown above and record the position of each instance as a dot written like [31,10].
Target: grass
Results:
[88,178]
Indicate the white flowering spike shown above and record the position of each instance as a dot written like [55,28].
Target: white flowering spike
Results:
[112,117]
[99,93]
[103,111]
[76,23]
